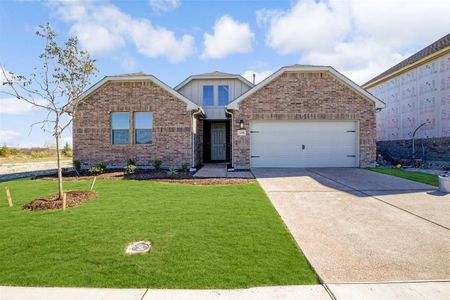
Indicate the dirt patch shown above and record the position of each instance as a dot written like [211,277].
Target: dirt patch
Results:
[74,198]
[208,181]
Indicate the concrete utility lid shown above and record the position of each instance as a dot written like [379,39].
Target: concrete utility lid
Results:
[138,247]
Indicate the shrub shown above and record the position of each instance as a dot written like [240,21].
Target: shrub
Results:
[131,162]
[157,164]
[67,150]
[172,172]
[130,169]
[185,167]
[95,170]
[77,165]
[102,166]
[98,169]
[5,151]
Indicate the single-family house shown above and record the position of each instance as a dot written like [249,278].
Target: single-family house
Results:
[300,116]
[416,121]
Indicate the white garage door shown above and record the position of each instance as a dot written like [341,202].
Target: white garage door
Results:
[303,144]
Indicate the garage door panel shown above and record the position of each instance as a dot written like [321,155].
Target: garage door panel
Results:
[303,144]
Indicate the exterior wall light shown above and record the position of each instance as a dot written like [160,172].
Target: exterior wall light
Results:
[241,124]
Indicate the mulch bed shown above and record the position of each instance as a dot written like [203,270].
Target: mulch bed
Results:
[160,175]
[73,198]
[115,174]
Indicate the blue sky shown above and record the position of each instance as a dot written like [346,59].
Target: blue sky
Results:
[173,39]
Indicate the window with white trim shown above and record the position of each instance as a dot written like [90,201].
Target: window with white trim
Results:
[120,128]
[223,95]
[208,95]
[143,127]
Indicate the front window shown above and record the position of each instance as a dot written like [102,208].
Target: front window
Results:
[223,95]
[143,127]
[208,95]
[120,127]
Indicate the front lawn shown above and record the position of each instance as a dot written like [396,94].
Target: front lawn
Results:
[217,236]
[411,175]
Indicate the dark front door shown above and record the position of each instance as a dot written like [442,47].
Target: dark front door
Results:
[218,141]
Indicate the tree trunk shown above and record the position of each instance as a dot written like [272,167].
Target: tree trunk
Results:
[58,160]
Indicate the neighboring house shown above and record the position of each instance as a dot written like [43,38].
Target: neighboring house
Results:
[417,96]
[300,116]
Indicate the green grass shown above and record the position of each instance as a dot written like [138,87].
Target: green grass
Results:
[203,237]
[411,175]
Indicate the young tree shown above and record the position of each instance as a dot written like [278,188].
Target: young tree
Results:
[56,86]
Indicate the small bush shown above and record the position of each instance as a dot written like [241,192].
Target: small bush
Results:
[5,151]
[131,162]
[157,164]
[98,169]
[172,172]
[102,166]
[185,167]
[77,165]
[67,150]
[95,170]
[130,169]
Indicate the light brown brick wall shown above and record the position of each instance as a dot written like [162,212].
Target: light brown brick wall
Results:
[306,96]
[172,126]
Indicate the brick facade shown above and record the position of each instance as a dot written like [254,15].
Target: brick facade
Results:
[172,126]
[306,96]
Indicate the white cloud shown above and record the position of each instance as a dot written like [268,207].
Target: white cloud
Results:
[259,76]
[229,37]
[164,5]
[14,106]
[308,25]
[359,38]
[103,28]
[9,137]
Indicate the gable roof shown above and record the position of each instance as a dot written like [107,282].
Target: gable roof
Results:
[214,75]
[308,68]
[141,77]
[436,49]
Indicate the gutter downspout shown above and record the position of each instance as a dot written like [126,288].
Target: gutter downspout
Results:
[199,111]
[232,135]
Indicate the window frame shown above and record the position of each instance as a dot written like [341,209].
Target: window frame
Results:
[228,94]
[212,95]
[120,129]
[135,128]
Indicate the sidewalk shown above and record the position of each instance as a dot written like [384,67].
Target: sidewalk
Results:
[370,291]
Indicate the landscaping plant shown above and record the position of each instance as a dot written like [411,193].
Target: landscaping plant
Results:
[172,172]
[56,87]
[77,165]
[185,167]
[157,164]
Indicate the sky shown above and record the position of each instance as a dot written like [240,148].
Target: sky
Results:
[173,39]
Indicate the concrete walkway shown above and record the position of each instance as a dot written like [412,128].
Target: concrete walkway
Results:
[355,225]
[220,170]
[385,291]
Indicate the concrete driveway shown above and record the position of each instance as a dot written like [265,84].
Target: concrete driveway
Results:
[355,225]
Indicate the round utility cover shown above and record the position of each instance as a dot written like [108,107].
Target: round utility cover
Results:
[138,247]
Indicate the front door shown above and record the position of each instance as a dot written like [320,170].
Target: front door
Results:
[218,141]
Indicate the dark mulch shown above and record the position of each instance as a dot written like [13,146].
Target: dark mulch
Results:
[115,174]
[159,175]
[73,198]
[208,181]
